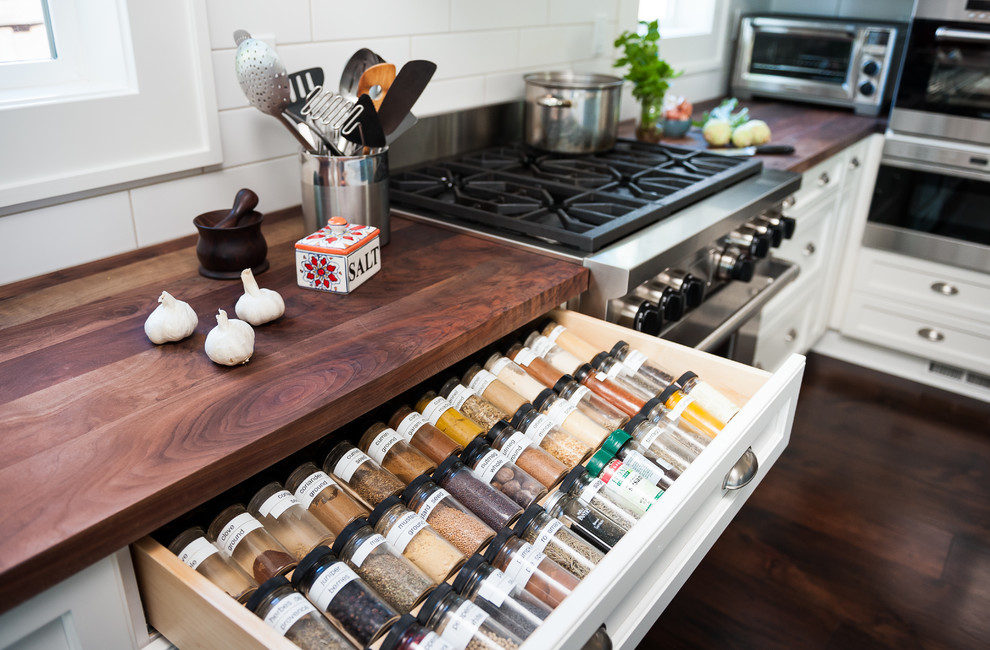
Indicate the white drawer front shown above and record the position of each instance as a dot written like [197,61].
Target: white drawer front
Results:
[783,334]
[821,180]
[811,244]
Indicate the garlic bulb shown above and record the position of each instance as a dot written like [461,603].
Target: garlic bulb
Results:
[231,342]
[172,320]
[258,306]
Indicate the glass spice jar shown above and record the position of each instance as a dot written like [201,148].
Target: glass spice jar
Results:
[585,520]
[463,624]
[422,435]
[530,457]
[540,429]
[550,536]
[640,364]
[661,443]
[682,406]
[497,470]
[514,376]
[442,414]
[639,457]
[597,408]
[515,608]
[492,389]
[618,396]
[287,520]
[710,398]
[571,342]
[538,368]
[635,490]
[687,434]
[593,491]
[616,372]
[395,578]
[390,450]
[242,538]
[287,611]
[447,515]
[408,533]
[491,506]
[335,589]
[530,569]
[408,634]
[361,473]
[202,555]
[552,353]
[566,416]
[324,499]
[469,403]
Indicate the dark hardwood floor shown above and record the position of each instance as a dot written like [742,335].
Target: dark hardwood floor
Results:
[871,531]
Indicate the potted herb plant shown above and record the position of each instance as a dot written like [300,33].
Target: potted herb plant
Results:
[649,74]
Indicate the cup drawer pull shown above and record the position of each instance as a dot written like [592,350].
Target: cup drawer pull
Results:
[743,472]
[931,334]
[945,288]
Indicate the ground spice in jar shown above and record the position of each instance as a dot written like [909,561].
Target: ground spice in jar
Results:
[521,450]
[202,555]
[618,373]
[318,493]
[242,538]
[572,421]
[408,533]
[288,520]
[531,569]
[422,435]
[390,450]
[617,396]
[451,519]
[513,607]
[514,376]
[682,405]
[538,368]
[570,341]
[289,613]
[442,414]
[368,479]
[492,389]
[595,407]
[540,429]
[508,478]
[638,362]
[465,400]
[491,506]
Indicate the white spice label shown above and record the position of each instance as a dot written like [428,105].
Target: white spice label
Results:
[349,463]
[559,410]
[329,583]
[362,552]
[463,624]
[311,486]
[650,436]
[555,332]
[277,503]
[516,445]
[525,356]
[714,401]
[437,407]
[404,529]
[495,588]
[578,394]
[523,564]
[547,534]
[679,407]
[644,467]
[539,428]
[459,395]
[288,611]
[489,464]
[432,501]
[500,365]
[481,381]
[410,425]
[634,360]
[613,371]
[196,551]
[541,345]
[432,641]
[382,443]
[590,490]
[235,530]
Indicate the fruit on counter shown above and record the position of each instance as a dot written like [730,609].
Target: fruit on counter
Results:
[231,342]
[172,320]
[258,306]
[717,132]
[677,108]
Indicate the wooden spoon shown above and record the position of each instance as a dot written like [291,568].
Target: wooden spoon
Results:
[375,82]
[244,203]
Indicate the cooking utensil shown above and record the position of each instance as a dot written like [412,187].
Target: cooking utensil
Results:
[263,80]
[301,84]
[353,69]
[569,112]
[407,123]
[408,85]
[757,150]
[376,81]
[244,202]
[368,129]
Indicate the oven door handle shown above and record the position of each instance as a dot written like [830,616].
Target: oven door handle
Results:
[961,35]
[784,274]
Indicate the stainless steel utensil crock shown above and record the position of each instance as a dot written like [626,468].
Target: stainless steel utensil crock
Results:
[572,112]
[352,187]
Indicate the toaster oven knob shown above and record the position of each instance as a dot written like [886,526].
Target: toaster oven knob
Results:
[871,68]
[867,88]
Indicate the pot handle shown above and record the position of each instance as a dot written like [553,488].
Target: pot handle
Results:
[549,101]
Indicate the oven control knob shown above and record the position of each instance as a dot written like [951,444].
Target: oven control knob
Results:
[755,243]
[689,286]
[789,223]
[871,68]
[867,88]
[640,315]
[774,229]
[734,265]
[671,304]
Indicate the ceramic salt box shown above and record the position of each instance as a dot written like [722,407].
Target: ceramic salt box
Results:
[338,257]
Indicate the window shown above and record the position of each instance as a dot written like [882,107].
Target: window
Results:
[692,32]
[680,18]
[25,33]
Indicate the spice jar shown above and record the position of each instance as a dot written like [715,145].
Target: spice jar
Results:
[540,429]
[685,433]
[638,363]
[447,515]
[566,416]
[538,368]
[408,634]
[325,500]
[661,443]
[334,587]
[597,408]
[639,457]
[515,608]
[442,414]
[287,520]
[422,435]
[242,538]
[682,406]
[493,389]
[390,450]
[497,470]
[361,473]
[530,569]
[709,397]
[570,341]
[202,555]
[408,533]
[618,396]
[552,353]
[635,490]
[618,373]
[395,578]
[593,492]
[287,611]
[514,376]
[468,402]
[530,457]
[585,520]
[491,506]
[463,624]
[550,536]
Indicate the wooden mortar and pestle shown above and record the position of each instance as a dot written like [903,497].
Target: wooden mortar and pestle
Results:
[231,240]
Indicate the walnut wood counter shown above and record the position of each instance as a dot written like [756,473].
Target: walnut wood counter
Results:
[107,436]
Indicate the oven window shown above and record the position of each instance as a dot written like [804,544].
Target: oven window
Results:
[936,204]
[799,57]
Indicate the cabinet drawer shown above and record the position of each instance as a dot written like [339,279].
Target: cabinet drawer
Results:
[634,582]
[818,182]
[811,245]
[783,333]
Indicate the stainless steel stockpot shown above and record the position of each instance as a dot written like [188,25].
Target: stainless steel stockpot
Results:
[572,112]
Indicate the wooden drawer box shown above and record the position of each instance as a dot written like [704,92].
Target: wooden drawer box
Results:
[634,582]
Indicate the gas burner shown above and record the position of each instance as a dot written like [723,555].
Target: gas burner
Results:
[585,172]
[495,159]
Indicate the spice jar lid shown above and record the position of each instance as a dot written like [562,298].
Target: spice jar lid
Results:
[571,478]
[448,386]
[685,378]
[467,571]
[667,392]
[381,509]
[497,430]
[617,348]
[520,413]
[267,587]
[349,531]
[474,450]
[446,467]
[531,513]
[598,461]
[583,371]
[545,396]
[599,360]
[496,544]
[615,441]
[432,602]
[652,404]
[306,564]
[552,500]
[414,484]
[396,631]
[562,383]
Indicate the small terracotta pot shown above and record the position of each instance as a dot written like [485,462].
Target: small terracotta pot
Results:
[224,252]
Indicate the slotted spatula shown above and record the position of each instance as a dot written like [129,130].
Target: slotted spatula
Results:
[300,85]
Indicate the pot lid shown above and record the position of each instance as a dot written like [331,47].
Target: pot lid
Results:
[574,80]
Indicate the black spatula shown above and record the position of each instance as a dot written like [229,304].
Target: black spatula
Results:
[408,85]
[367,131]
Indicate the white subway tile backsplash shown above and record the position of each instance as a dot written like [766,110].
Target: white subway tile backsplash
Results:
[481,14]
[333,55]
[563,12]
[229,94]
[468,53]
[288,20]
[554,45]
[505,86]
[248,135]
[336,20]
[449,95]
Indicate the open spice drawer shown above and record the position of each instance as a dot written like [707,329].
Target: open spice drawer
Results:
[635,581]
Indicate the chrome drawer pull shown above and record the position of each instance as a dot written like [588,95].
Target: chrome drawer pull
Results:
[742,472]
[790,201]
[854,163]
[823,180]
[809,250]
[931,334]
[945,289]
[791,335]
